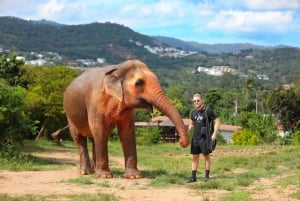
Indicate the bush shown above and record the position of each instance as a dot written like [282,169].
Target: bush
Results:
[15,124]
[147,135]
[245,137]
[296,138]
[11,158]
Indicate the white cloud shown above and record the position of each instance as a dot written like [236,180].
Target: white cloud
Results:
[138,14]
[273,4]
[50,9]
[184,19]
[238,21]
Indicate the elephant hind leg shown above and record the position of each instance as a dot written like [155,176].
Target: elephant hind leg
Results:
[81,142]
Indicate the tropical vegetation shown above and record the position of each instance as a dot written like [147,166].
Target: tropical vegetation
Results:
[31,105]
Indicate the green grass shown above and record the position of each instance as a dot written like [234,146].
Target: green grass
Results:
[82,180]
[77,197]
[21,157]
[234,168]
[236,196]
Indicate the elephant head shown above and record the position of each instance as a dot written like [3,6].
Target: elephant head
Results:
[135,86]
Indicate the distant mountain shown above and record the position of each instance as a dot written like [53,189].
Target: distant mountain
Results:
[47,22]
[115,43]
[206,48]
[111,41]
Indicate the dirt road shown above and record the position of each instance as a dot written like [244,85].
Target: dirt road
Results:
[56,182]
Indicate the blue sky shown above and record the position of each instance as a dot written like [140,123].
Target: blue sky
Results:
[262,22]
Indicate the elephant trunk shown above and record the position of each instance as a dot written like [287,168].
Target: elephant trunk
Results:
[162,103]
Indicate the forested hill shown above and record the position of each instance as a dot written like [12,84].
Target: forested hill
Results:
[106,40]
[117,43]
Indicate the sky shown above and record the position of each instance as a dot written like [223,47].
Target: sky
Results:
[261,22]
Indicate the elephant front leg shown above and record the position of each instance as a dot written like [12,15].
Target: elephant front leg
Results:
[102,163]
[127,137]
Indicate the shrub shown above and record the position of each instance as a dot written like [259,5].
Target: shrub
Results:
[15,124]
[245,137]
[296,138]
[147,135]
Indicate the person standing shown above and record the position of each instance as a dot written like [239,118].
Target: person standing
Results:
[206,125]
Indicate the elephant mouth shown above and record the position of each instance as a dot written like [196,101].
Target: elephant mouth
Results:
[145,104]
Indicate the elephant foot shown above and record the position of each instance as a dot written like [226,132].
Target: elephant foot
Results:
[86,171]
[105,174]
[132,174]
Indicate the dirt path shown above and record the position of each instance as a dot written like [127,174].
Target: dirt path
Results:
[55,182]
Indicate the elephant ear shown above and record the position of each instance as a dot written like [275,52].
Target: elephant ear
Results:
[113,84]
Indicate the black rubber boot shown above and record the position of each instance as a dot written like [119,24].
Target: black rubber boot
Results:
[193,178]
[206,178]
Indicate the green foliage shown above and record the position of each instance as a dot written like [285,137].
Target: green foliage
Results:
[296,138]
[10,70]
[12,159]
[147,135]
[15,124]
[245,137]
[176,75]
[106,40]
[142,115]
[45,88]
[221,140]
[212,98]
[262,125]
[285,104]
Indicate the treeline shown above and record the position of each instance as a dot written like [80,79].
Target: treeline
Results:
[31,104]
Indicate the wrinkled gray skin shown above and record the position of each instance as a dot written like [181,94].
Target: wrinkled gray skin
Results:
[101,99]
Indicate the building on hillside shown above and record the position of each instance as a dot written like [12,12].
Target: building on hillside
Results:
[216,70]
[36,62]
[262,77]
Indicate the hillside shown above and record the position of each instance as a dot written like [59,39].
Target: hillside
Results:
[207,48]
[96,40]
[116,43]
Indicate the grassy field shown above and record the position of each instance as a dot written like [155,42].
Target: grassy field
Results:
[235,169]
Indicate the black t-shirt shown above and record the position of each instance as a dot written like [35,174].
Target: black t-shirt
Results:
[198,116]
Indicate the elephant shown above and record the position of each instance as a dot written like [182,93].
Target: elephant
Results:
[103,98]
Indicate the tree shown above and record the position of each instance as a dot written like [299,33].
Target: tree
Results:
[212,98]
[249,90]
[285,104]
[15,124]
[10,69]
[46,86]
[263,126]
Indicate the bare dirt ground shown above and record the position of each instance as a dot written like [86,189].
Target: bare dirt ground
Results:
[55,182]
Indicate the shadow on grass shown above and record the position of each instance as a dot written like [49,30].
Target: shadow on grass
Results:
[37,160]
[28,162]
[53,149]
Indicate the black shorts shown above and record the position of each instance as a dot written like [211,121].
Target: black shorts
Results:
[199,147]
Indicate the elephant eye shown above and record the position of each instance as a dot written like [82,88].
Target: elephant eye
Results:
[139,83]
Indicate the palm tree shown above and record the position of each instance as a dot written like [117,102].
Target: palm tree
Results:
[249,89]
